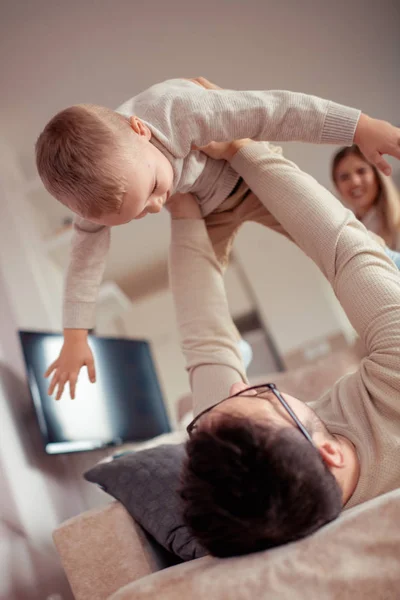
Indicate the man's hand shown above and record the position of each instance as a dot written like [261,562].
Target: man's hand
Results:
[375,138]
[224,150]
[203,82]
[183,206]
[74,354]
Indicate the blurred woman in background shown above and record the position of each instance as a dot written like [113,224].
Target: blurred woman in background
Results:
[372,196]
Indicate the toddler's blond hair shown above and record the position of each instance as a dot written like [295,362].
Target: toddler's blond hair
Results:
[79,155]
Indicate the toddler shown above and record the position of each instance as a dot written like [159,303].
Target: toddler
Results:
[110,167]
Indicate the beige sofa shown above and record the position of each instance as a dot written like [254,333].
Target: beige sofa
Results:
[107,555]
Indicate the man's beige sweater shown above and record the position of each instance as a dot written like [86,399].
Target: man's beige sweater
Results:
[364,406]
[181,114]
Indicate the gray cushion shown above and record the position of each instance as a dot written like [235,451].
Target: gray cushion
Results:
[147,484]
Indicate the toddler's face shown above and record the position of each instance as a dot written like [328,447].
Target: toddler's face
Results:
[149,185]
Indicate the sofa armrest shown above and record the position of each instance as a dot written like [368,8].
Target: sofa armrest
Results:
[102,550]
[355,557]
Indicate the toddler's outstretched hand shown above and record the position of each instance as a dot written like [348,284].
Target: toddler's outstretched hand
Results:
[74,354]
[375,138]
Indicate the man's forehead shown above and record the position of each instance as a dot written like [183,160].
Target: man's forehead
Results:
[262,401]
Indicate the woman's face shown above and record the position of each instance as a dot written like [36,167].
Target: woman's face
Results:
[357,184]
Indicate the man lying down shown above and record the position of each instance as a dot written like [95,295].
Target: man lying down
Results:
[264,468]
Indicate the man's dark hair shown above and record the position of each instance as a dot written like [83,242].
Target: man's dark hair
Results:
[248,487]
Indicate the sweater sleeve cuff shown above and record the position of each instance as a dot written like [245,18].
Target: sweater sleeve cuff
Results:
[340,125]
[79,315]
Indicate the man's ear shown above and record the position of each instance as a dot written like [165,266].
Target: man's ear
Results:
[331,453]
[139,127]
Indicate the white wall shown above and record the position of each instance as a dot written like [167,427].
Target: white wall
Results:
[32,280]
[38,491]
[296,303]
[33,499]
[55,54]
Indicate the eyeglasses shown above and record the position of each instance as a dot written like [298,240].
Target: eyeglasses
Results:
[259,389]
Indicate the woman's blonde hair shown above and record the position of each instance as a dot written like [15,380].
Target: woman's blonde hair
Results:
[388,197]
